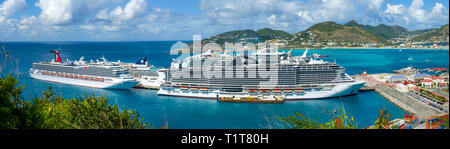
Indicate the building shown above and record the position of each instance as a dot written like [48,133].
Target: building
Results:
[401,87]
[420,77]
[397,79]
[427,83]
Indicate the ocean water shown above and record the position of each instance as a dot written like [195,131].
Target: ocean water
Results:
[190,113]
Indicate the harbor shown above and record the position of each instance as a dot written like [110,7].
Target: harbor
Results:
[408,91]
[364,106]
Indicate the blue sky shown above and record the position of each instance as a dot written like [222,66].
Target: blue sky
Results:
[120,20]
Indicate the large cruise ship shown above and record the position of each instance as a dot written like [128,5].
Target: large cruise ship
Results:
[99,74]
[148,75]
[296,77]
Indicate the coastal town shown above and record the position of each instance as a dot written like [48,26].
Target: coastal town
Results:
[424,96]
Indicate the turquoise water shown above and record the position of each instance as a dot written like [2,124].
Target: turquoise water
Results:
[203,113]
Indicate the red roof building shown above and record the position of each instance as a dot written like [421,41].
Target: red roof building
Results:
[427,80]
[437,78]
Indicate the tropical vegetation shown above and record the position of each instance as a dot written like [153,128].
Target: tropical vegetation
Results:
[51,111]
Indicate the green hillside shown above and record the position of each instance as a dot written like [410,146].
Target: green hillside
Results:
[385,31]
[269,34]
[331,31]
[234,37]
[432,35]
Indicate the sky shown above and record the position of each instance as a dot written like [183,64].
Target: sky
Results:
[144,20]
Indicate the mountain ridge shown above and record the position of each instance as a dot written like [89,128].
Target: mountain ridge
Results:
[350,32]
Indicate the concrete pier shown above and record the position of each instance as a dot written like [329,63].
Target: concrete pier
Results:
[401,100]
[406,103]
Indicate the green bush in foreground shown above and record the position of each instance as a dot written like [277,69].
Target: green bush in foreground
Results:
[339,120]
[55,112]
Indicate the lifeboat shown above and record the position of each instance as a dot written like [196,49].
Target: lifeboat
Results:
[288,90]
[42,72]
[90,78]
[252,90]
[299,90]
[184,87]
[95,78]
[101,79]
[194,88]
[276,90]
[264,90]
[204,88]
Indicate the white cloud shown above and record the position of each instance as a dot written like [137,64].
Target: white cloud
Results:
[132,10]
[394,9]
[438,10]
[9,7]
[375,4]
[63,12]
[416,12]
[415,16]
[28,20]
[124,18]
[88,27]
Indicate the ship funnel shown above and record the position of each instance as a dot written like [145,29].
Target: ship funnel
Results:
[142,61]
[58,58]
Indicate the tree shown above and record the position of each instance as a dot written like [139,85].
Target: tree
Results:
[339,120]
[54,112]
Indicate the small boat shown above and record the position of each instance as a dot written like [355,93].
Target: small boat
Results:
[410,59]
[427,60]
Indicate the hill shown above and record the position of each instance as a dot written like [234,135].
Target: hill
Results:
[331,31]
[432,35]
[385,31]
[269,34]
[238,36]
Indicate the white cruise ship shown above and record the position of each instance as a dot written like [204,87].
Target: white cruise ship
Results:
[298,77]
[104,74]
[147,75]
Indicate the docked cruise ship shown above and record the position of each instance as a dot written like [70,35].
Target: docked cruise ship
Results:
[148,75]
[296,77]
[99,74]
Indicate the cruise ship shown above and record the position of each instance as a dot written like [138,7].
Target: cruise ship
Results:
[99,74]
[148,75]
[297,77]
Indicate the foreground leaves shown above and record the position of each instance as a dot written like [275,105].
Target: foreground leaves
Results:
[55,112]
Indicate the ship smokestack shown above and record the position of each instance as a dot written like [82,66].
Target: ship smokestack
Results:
[58,58]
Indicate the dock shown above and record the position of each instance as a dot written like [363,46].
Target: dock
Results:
[271,100]
[401,100]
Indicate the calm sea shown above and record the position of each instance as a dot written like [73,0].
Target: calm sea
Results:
[203,113]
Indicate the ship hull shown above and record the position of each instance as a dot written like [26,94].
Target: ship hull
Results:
[344,89]
[148,84]
[116,84]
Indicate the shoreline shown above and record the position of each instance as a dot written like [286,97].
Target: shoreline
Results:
[399,99]
[359,48]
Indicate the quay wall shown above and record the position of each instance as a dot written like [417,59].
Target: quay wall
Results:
[405,102]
